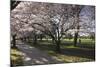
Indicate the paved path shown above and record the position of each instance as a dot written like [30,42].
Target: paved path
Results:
[34,56]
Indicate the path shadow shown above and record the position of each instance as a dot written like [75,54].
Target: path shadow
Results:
[33,56]
[79,52]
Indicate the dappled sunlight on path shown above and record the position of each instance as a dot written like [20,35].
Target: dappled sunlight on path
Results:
[33,56]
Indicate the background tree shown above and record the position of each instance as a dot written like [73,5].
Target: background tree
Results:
[77,11]
[85,21]
[57,20]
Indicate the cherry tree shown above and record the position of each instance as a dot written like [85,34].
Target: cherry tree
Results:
[53,20]
[49,18]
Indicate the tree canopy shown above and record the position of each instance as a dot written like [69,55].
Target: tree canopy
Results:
[52,19]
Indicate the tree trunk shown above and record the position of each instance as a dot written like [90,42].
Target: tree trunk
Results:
[58,46]
[75,38]
[53,40]
[41,36]
[77,27]
[14,41]
[35,39]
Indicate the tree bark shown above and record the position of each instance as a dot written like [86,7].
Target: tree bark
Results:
[41,36]
[77,29]
[78,10]
[35,39]
[75,38]
[58,46]
[14,41]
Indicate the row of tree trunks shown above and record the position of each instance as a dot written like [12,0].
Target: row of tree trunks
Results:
[14,41]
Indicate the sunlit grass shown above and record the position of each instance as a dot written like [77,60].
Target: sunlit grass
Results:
[71,46]
[67,58]
[16,57]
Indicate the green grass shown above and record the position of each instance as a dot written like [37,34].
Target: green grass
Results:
[70,53]
[71,46]
[87,43]
[68,42]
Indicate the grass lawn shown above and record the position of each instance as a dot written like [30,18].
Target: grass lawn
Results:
[87,43]
[69,53]
[16,57]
